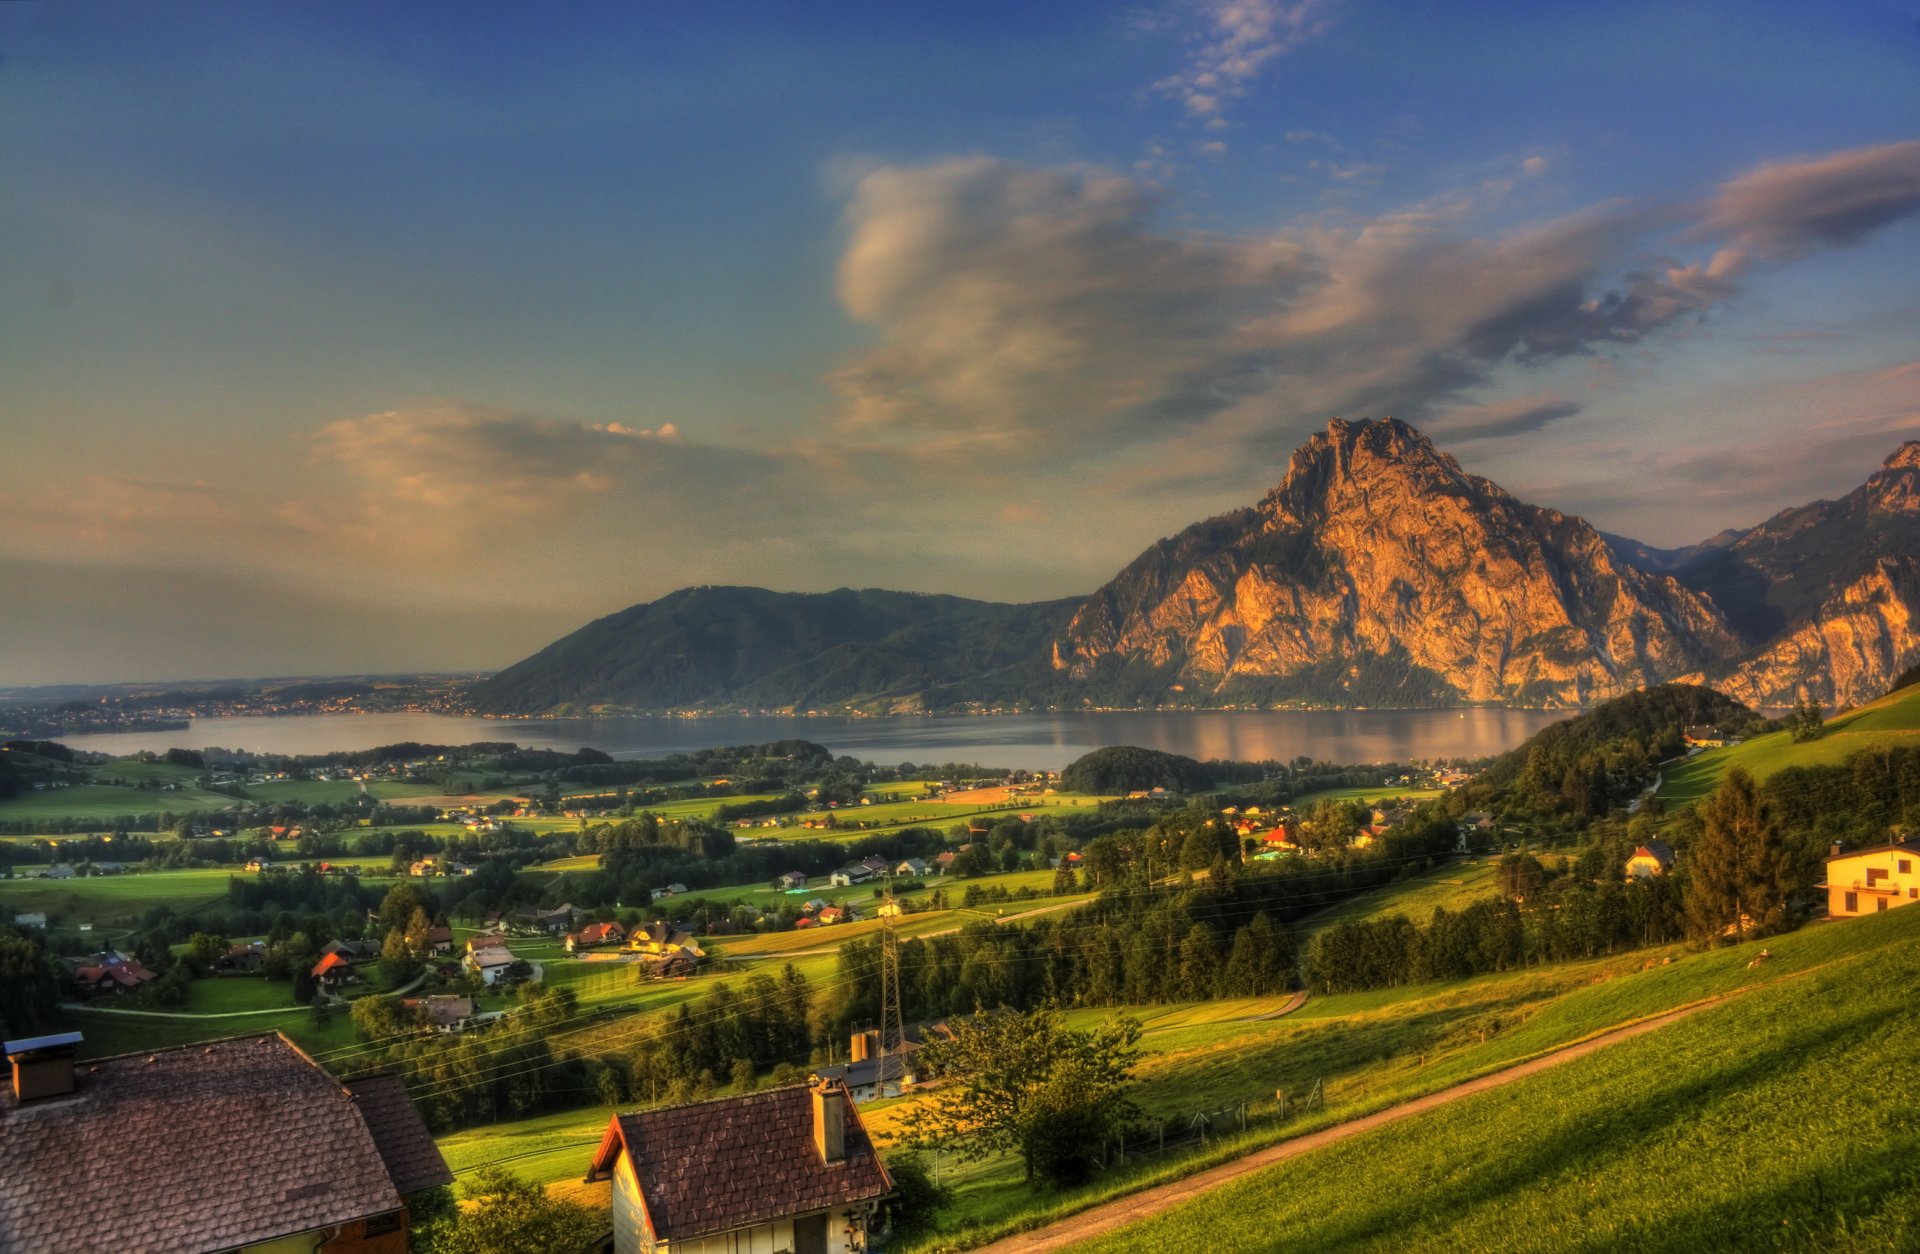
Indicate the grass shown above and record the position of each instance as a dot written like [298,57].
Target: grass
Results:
[115,900]
[1372,1050]
[1369,793]
[1893,719]
[1454,887]
[1780,1119]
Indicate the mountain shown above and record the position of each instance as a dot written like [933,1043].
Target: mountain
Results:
[1377,573]
[721,647]
[1826,596]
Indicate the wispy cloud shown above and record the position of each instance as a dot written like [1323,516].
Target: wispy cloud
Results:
[1241,39]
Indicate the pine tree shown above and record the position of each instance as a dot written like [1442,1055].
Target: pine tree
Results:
[1739,871]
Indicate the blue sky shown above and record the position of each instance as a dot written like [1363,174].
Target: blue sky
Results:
[377,337]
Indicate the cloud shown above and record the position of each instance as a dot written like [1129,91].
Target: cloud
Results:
[1785,209]
[1020,309]
[452,457]
[1017,303]
[1243,37]
[1469,424]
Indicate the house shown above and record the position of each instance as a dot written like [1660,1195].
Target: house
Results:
[816,1182]
[792,879]
[334,970]
[596,934]
[242,959]
[111,972]
[944,862]
[33,918]
[1704,737]
[868,1076]
[1651,859]
[1280,838]
[533,921]
[259,864]
[490,962]
[912,866]
[440,940]
[1867,881]
[443,1012]
[847,876]
[672,966]
[874,864]
[833,914]
[658,936]
[97,1154]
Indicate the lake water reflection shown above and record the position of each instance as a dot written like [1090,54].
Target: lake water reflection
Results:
[1033,741]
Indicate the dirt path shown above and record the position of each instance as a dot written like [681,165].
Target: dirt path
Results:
[1103,1219]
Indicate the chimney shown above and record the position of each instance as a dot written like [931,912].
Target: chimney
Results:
[42,1066]
[1834,851]
[829,1120]
[865,1045]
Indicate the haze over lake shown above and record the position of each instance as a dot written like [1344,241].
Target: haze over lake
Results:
[1032,741]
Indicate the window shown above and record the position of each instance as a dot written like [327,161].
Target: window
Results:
[389,1222]
[1906,866]
[1853,903]
[1875,874]
[1880,904]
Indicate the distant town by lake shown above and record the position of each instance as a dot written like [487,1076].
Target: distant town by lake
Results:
[1030,741]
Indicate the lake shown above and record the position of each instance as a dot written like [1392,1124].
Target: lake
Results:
[1032,741]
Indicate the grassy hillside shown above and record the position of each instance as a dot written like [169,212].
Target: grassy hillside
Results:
[1779,1119]
[1893,719]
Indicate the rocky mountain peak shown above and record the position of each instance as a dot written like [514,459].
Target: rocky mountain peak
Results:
[1358,458]
[1906,457]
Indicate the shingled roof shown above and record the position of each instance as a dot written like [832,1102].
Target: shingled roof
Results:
[716,1166]
[203,1147]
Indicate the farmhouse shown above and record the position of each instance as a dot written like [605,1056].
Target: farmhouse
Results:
[168,1149]
[1651,859]
[110,972]
[595,934]
[489,962]
[1867,881]
[912,866]
[813,1186]
[334,970]
[847,876]
[443,1012]
[1704,737]
[792,879]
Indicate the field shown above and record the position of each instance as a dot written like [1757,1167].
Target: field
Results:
[115,900]
[1370,795]
[1371,1050]
[1893,719]
[1454,886]
[1780,1119]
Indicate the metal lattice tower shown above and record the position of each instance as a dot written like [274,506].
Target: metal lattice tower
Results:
[892,1069]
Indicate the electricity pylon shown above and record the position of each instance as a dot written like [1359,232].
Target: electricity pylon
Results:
[892,1069]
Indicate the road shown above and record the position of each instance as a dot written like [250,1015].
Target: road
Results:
[1100,1220]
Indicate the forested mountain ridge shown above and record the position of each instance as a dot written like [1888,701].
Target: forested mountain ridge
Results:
[719,647]
[1377,573]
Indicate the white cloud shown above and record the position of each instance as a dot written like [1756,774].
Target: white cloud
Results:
[1242,39]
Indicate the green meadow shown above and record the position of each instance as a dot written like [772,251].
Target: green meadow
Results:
[1780,1119]
[1892,720]
[1453,887]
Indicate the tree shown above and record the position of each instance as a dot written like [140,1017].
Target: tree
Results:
[1026,1082]
[916,1199]
[1739,872]
[508,1215]
[1805,722]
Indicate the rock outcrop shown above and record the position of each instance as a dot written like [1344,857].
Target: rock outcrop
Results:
[1380,572]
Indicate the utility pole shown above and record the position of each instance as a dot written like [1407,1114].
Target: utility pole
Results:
[892,1066]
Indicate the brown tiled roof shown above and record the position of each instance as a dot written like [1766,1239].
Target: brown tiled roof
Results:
[188,1149]
[413,1161]
[715,1166]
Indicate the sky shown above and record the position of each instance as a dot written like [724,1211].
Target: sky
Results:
[343,338]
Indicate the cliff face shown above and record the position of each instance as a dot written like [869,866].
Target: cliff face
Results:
[1380,571]
[1848,652]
